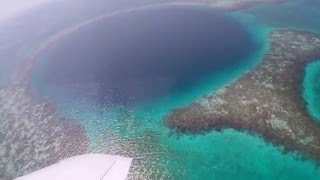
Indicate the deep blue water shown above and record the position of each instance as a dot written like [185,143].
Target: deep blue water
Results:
[22,33]
[146,54]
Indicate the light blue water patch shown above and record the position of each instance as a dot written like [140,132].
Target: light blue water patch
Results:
[296,14]
[311,88]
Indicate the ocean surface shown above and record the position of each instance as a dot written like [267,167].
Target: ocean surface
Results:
[298,14]
[311,88]
[147,54]
[21,35]
[131,123]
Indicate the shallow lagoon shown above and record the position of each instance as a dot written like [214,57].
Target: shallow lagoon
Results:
[139,131]
[311,88]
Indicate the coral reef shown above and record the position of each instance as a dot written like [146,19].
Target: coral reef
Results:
[32,134]
[266,100]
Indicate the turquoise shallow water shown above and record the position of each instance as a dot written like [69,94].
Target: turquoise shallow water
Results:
[298,14]
[139,131]
[311,89]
